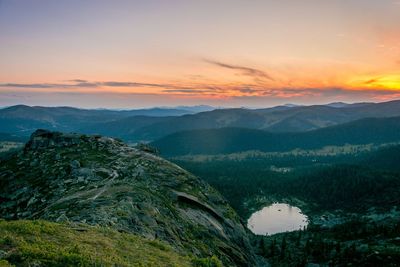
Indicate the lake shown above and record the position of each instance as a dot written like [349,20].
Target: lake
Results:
[277,218]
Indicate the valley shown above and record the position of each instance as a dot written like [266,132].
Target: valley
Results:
[351,199]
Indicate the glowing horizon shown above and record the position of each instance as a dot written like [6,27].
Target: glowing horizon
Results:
[225,53]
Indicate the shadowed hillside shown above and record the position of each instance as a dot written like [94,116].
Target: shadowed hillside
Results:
[231,140]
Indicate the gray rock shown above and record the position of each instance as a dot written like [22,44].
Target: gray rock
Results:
[75,164]
[32,201]
[3,254]
[62,218]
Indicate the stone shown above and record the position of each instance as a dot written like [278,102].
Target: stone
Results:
[32,201]
[3,254]
[62,218]
[75,164]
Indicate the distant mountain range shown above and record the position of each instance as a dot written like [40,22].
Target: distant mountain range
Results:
[156,123]
[22,120]
[232,140]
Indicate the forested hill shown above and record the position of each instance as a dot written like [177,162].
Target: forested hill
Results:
[231,140]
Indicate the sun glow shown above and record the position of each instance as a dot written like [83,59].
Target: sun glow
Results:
[387,82]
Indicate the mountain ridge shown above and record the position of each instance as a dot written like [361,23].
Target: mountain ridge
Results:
[134,127]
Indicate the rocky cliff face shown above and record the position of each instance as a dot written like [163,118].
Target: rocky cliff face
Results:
[101,181]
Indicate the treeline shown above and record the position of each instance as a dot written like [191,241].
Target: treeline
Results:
[232,140]
[350,187]
[356,242]
[387,158]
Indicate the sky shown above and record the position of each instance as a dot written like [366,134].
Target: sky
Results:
[232,53]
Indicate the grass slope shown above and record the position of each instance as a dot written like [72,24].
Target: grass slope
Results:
[42,243]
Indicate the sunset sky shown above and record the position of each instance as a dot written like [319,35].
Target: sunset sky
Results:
[133,54]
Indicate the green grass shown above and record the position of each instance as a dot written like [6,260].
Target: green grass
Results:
[42,243]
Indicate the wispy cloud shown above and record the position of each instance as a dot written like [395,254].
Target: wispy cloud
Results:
[131,84]
[190,88]
[77,80]
[252,72]
[78,83]
[178,88]
[245,91]
[372,81]
[203,90]
[47,85]
[30,85]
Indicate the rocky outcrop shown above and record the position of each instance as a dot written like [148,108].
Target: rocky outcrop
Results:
[101,181]
[42,139]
